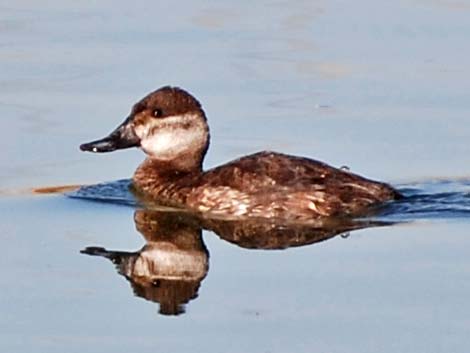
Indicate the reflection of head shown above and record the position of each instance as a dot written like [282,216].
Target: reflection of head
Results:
[163,272]
[170,267]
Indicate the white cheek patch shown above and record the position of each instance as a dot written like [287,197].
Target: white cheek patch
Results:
[172,138]
[166,260]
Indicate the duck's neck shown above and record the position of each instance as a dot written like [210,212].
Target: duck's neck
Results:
[155,175]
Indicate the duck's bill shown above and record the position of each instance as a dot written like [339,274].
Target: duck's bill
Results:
[122,137]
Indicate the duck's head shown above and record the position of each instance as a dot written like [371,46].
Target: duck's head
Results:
[168,125]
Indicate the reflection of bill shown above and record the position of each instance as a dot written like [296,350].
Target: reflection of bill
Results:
[170,267]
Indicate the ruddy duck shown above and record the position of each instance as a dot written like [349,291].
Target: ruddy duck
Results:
[170,126]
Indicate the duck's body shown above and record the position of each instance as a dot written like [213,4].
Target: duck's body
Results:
[265,184]
[170,126]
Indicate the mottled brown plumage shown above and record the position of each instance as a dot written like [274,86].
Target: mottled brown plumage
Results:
[171,127]
[265,184]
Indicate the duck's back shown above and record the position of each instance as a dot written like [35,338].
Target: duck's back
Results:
[269,184]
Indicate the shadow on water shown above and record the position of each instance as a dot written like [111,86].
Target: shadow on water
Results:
[174,261]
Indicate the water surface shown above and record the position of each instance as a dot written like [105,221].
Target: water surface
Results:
[379,87]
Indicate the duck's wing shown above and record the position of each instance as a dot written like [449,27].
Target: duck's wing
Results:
[297,181]
[265,170]
[270,170]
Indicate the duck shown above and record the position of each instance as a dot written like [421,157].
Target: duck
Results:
[171,127]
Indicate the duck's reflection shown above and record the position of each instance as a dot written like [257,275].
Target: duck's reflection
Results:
[170,267]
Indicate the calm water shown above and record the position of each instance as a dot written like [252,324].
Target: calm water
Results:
[381,87]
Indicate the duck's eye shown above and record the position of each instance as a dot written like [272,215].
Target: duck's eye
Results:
[157,113]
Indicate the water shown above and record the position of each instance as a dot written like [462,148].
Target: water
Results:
[379,87]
